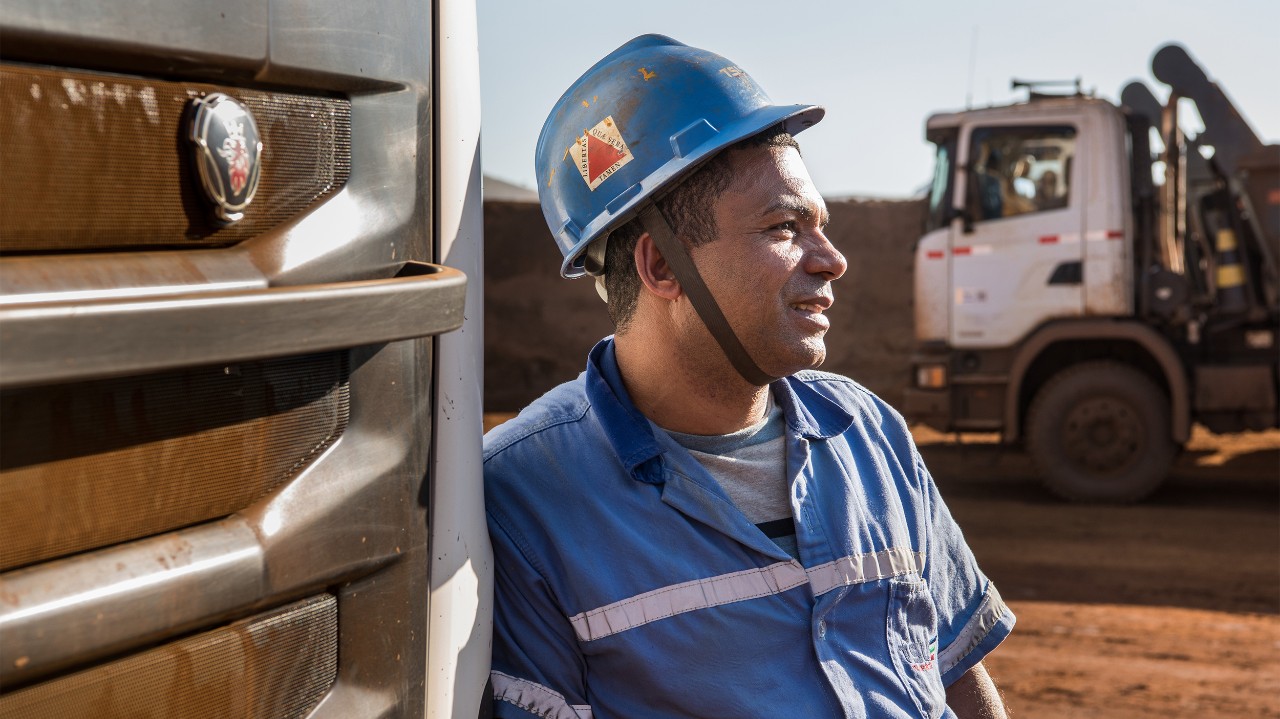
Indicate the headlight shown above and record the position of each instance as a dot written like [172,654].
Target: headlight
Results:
[931,376]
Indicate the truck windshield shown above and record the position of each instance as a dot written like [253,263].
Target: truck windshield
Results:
[940,188]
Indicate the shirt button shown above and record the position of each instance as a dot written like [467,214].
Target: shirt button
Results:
[822,629]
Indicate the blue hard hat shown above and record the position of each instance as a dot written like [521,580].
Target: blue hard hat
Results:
[635,124]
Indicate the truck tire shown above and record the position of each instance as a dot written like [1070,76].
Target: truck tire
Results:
[1099,432]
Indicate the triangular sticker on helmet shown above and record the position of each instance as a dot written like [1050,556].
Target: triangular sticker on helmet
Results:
[600,151]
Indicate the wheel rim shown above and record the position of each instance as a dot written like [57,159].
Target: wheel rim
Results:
[1102,434]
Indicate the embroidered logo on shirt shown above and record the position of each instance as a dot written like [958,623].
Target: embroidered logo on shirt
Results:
[928,664]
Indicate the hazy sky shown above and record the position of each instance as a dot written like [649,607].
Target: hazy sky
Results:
[880,68]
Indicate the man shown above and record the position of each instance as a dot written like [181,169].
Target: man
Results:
[701,525]
[1048,196]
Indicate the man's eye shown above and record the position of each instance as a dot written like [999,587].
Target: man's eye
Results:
[789,226]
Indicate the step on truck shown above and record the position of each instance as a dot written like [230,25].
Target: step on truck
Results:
[240,420]
[1093,279]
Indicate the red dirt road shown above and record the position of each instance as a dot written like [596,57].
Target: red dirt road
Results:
[1169,608]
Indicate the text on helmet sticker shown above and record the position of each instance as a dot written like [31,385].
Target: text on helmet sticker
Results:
[599,152]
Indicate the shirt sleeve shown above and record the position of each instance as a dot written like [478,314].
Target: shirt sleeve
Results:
[972,618]
[537,668]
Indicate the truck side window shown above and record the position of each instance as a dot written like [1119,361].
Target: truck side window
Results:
[940,188]
[1019,170]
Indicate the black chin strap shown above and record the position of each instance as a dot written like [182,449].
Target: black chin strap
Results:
[673,251]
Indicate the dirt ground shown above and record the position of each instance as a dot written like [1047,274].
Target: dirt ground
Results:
[1168,608]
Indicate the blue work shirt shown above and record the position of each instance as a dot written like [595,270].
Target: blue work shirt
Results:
[627,584]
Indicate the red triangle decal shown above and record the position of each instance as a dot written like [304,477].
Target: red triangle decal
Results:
[600,157]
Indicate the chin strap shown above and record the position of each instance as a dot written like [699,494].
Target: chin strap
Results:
[673,251]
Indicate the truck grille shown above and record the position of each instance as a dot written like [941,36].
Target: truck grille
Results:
[101,162]
[278,664]
[90,464]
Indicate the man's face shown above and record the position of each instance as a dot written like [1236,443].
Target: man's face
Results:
[771,266]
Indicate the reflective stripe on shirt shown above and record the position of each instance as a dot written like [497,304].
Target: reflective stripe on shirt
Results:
[740,586]
[535,698]
[686,597]
[859,568]
[988,616]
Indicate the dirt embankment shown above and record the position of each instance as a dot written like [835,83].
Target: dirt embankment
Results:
[539,327]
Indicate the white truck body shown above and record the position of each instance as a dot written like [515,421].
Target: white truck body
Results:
[989,287]
[1053,268]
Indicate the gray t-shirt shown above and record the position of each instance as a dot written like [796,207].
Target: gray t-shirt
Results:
[751,466]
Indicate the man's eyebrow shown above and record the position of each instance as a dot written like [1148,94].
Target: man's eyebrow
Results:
[800,207]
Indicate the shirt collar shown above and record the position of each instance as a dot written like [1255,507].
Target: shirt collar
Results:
[809,412]
[627,429]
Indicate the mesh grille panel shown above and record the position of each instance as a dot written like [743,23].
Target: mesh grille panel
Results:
[102,162]
[278,664]
[90,464]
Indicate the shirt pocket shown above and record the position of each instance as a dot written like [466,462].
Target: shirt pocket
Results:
[912,632]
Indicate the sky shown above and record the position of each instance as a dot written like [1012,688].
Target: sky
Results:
[880,68]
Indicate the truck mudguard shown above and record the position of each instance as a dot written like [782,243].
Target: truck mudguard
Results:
[1148,339]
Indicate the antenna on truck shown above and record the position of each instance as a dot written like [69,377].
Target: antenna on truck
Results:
[973,59]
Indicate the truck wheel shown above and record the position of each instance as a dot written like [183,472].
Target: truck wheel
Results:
[1099,432]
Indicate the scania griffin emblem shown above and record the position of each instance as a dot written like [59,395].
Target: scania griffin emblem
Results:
[228,153]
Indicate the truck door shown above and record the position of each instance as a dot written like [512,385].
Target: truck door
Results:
[1020,261]
[932,283]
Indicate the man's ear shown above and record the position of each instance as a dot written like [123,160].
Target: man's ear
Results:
[653,270]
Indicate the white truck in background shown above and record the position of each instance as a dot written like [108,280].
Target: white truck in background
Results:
[1077,293]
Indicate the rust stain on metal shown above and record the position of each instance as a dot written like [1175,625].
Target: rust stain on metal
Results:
[647,75]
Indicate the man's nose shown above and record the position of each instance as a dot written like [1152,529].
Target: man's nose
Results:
[824,259]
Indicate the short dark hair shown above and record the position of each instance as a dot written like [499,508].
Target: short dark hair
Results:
[688,208]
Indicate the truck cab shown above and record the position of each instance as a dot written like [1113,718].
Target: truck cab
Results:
[1043,222]
[1090,299]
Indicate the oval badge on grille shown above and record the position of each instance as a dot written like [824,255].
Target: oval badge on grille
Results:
[228,153]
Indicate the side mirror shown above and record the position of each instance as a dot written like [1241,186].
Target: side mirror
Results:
[965,216]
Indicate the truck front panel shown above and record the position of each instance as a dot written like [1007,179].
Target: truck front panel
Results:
[218,430]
